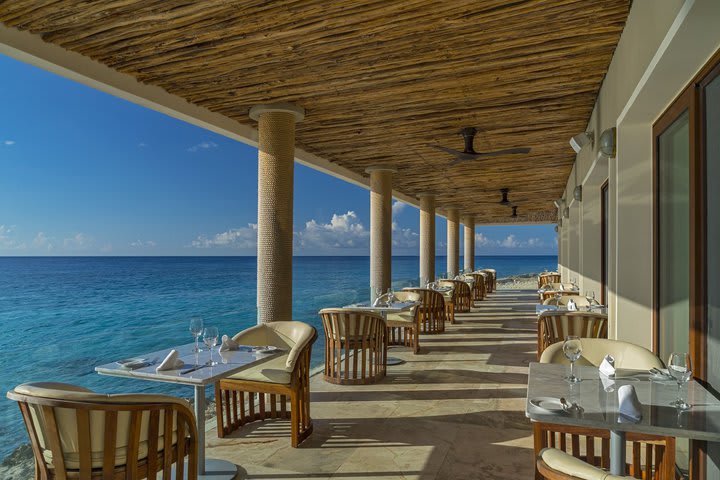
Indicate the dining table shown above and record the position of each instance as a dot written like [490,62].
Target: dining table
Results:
[198,373]
[594,404]
[383,309]
[540,308]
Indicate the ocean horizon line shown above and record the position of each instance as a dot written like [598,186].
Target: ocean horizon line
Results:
[255,256]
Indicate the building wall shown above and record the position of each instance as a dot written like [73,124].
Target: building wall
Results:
[630,181]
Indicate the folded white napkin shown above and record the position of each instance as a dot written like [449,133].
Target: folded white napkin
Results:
[228,344]
[630,407]
[171,362]
[571,305]
[607,367]
[562,287]
[607,383]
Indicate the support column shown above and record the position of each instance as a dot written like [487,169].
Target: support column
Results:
[380,228]
[453,240]
[427,239]
[276,161]
[469,256]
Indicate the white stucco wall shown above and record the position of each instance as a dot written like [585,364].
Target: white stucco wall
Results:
[662,47]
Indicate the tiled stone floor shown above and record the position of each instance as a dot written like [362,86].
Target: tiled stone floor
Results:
[454,411]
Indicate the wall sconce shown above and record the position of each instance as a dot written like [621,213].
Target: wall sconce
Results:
[577,193]
[580,140]
[608,142]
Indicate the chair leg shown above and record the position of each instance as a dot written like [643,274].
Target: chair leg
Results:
[219,411]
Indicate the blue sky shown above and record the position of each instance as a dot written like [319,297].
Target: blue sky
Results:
[85,173]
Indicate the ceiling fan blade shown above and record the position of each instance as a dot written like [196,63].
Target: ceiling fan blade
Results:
[461,156]
[507,151]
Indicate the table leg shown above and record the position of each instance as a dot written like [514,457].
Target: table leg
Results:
[208,469]
[617,453]
[200,419]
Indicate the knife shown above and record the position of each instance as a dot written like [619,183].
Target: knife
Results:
[197,367]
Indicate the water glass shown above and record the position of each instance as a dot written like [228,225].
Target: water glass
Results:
[196,329]
[680,369]
[572,348]
[210,338]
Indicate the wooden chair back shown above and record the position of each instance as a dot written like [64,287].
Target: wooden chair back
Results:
[544,295]
[491,282]
[355,346]
[652,456]
[544,278]
[479,288]
[81,434]
[462,295]
[431,313]
[554,326]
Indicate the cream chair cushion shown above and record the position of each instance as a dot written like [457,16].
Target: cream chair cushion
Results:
[409,316]
[627,355]
[67,422]
[569,465]
[288,335]
[580,300]
[272,370]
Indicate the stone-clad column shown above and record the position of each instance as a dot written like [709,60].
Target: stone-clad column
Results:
[276,161]
[427,238]
[380,228]
[469,255]
[453,240]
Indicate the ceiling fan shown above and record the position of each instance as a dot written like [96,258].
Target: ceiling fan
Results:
[469,153]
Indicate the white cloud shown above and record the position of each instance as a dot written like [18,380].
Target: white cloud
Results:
[107,248]
[9,142]
[509,242]
[404,237]
[43,241]
[143,244]
[206,145]
[482,241]
[79,241]
[7,240]
[142,145]
[245,237]
[398,207]
[343,231]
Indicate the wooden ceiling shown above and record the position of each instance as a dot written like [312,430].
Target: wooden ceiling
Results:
[381,81]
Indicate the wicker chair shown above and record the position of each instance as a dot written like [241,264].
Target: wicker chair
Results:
[554,326]
[431,312]
[449,299]
[462,295]
[76,433]
[268,386]
[545,294]
[653,457]
[404,328]
[554,464]
[493,279]
[356,344]
[478,288]
[550,277]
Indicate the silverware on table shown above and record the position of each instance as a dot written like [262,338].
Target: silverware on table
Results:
[196,367]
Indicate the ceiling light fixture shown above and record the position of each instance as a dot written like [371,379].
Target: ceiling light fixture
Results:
[514,214]
[504,200]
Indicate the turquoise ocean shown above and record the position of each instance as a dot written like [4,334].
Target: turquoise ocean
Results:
[62,316]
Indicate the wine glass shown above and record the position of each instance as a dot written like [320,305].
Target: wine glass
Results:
[572,348]
[680,369]
[196,329]
[210,338]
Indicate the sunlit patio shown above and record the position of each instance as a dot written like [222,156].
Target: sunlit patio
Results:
[454,411]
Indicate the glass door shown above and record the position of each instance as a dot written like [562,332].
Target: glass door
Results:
[710,111]
[605,240]
[673,235]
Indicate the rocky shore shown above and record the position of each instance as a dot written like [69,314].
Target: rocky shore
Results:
[525,281]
